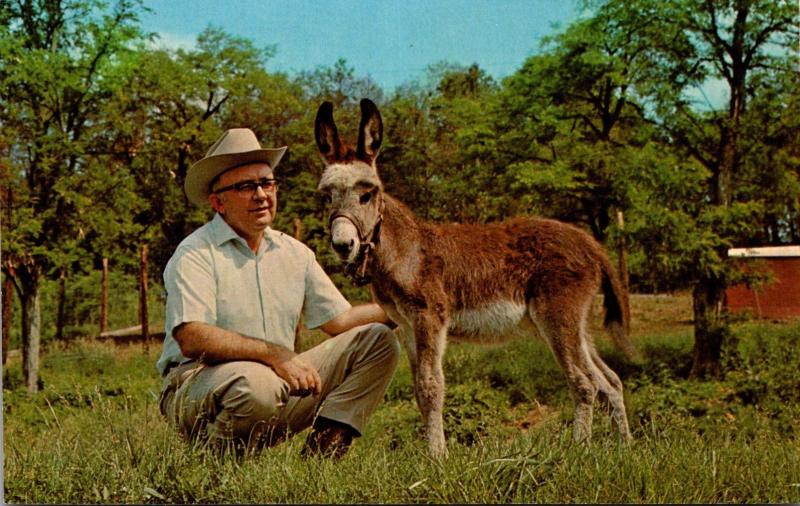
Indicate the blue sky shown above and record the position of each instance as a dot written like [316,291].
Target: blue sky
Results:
[392,41]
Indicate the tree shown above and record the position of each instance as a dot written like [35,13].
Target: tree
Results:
[170,111]
[690,44]
[340,85]
[573,131]
[770,170]
[439,150]
[56,60]
[406,162]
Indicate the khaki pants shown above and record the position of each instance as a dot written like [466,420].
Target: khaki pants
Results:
[248,403]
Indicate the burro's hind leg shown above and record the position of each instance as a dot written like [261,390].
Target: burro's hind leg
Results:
[431,340]
[561,321]
[611,394]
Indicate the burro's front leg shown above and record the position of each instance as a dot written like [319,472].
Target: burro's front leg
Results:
[430,332]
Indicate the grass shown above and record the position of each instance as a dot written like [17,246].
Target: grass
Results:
[94,434]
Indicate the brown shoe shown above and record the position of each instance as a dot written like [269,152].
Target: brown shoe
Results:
[328,438]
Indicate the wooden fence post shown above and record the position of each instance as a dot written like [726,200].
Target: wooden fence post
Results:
[298,228]
[104,298]
[622,265]
[143,297]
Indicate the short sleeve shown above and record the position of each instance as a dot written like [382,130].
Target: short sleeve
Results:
[323,301]
[191,288]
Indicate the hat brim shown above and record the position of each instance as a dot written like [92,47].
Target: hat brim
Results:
[200,175]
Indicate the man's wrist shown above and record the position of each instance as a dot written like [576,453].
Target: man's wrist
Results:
[275,354]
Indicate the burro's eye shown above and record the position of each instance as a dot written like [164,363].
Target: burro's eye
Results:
[325,199]
[365,198]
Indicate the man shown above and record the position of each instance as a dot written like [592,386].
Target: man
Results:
[235,292]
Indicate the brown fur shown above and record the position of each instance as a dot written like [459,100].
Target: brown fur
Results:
[479,281]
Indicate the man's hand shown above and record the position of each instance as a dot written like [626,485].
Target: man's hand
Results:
[213,345]
[302,378]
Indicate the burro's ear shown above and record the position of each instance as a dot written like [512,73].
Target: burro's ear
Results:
[370,132]
[325,132]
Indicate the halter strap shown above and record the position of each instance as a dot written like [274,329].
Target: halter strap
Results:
[357,271]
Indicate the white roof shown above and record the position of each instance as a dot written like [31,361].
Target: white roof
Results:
[766,251]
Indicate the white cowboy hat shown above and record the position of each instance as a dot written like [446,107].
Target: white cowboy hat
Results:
[237,146]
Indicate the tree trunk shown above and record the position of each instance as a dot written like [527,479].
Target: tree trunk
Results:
[104,298]
[8,281]
[62,302]
[710,328]
[143,296]
[31,329]
[8,309]
[183,166]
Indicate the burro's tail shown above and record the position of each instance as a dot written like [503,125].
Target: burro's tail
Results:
[618,312]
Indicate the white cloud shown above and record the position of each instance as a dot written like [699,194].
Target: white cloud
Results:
[166,40]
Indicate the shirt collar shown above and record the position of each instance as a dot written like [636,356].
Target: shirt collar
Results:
[222,232]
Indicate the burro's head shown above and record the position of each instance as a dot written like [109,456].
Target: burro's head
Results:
[350,185]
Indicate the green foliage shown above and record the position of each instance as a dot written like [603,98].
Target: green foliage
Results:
[572,125]
[758,389]
[52,100]
[94,435]
[537,377]
[440,152]
[761,369]
[769,174]
[175,105]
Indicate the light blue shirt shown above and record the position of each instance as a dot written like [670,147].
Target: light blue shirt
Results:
[214,277]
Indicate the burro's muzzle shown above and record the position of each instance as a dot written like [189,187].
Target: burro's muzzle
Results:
[345,239]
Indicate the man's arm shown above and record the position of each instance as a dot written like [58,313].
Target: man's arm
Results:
[355,316]
[211,344]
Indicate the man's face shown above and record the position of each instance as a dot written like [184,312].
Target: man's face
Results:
[249,210]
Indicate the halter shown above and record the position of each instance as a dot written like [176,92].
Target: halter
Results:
[357,271]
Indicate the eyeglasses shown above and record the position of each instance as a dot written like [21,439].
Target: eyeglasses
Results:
[250,187]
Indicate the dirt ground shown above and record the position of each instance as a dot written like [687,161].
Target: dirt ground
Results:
[652,314]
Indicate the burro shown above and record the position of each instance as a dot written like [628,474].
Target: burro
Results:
[471,282]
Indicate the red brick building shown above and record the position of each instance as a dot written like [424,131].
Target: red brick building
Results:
[778,299]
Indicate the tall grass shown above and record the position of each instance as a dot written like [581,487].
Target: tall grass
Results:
[94,434]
